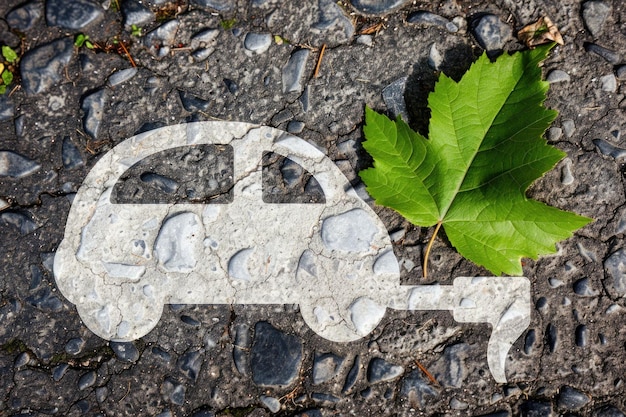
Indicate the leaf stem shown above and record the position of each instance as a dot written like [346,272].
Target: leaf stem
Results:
[427,253]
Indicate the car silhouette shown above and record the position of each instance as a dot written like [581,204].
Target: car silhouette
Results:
[124,256]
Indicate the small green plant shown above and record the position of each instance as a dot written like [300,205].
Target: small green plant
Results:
[135,31]
[83,40]
[7,68]
[228,24]
[470,176]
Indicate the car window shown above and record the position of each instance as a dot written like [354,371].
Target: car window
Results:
[285,181]
[186,174]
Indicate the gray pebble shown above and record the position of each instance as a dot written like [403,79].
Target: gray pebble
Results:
[435,59]
[608,149]
[231,85]
[42,68]
[608,83]
[87,380]
[35,277]
[582,288]
[192,103]
[536,409]
[366,40]
[275,357]
[379,370]
[457,404]
[25,17]
[190,363]
[620,72]
[121,76]
[257,42]
[569,127]
[59,371]
[333,21]
[101,394]
[321,397]
[173,391]
[166,413]
[201,54]
[70,155]
[75,346]
[552,337]
[273,404]
[325,367]
[571,399]
[428,18]
[93,107]
[581,335]
[491,32]
[15,165]
[21,360]
[554,134]
[161,183]
[219,5]
[20,221]
[377,6]
[75,14]
[281,117]
[393,96]
[161,354]
[125,351]
[204,38]
[415,385]
[304,99]
[184,318]
[557,76]
[295,127]
[294,70]
[615,266]
[595,13]
[136,13]
[609,55]
[529,341]
[158,41]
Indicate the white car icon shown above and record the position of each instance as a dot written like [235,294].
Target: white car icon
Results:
[120,263]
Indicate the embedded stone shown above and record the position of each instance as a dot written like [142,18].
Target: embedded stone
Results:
[93,107]
[572,399]
[74,15]
[136,13]
[428,18]
[42,68]
[333,21]
[87,380]
[14,165]
[276,357]
[352,231]
[557,76]
[192,103]
[325,367]
[393,96]
[121,76]
[377,6]
[417,388]
[379,370]
[25,17]
[70,154]
[219,5]
[615,266]
[125,351]
[608,55]
[450,369]
[491,32]
[190,364]
[294,70]
[257,42]
[595,13]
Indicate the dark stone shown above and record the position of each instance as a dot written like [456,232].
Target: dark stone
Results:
[70,154]
[536,409]
[380,370]
[529,341]
[184,318]
[582,288]
[125,351]
[44,300]
[192,103]
[231,86]
[321,397]
[615,265]
[7,109]
[241,348]
[393,96]
[173,391]
[93,107]
[161,354]
[608,55]
[295,127]
[190,364]
[75,14]
[276,357]
[571,399]
[333,21]
[608,149]
[352,376]
[14,165]
[377,6]
[582,335]
[59,371]
[416,387]
[42,68]
[35,277]
[25,17]
[87,380]
[552,337]
[491,32]
[74,346]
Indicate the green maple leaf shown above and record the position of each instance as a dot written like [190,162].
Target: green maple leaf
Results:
[484,149]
